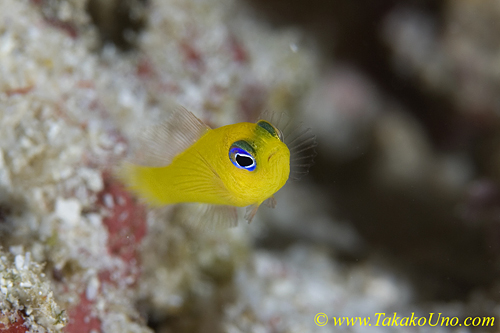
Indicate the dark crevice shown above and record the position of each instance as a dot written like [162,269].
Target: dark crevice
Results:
[118,22]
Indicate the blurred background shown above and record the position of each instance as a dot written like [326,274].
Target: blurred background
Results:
[399,213]
[407,116]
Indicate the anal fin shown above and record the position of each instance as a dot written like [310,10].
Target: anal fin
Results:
[209,217]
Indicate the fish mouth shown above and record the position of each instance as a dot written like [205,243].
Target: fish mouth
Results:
[272,154]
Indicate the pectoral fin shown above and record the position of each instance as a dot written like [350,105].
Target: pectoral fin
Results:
[250,212]
[270,202]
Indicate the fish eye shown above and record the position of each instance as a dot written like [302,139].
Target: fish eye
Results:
[244,160]
[241,156]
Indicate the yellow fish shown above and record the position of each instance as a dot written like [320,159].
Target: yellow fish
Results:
[184,161]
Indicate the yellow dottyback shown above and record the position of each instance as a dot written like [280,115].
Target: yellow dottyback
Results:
[184,161]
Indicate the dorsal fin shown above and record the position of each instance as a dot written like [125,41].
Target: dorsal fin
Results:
[159,144]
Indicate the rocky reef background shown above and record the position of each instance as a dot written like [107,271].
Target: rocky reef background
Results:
[400,213]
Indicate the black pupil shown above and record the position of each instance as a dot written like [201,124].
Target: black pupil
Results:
[243,161]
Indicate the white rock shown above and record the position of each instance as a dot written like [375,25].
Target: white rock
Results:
[92,288]
[94,219]
[26,284]
[68,210]
[108,201]
[19,261]
[92,178]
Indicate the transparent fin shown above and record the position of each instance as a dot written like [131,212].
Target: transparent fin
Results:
[250,212]
[270,202]
[208,217]
[280,120]
[300,141]
[159,144]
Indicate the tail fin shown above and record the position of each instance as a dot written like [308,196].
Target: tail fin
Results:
[142,181]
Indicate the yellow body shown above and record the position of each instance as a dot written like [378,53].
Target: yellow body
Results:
[204,173]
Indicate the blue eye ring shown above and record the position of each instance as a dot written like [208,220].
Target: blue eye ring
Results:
[241,158]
